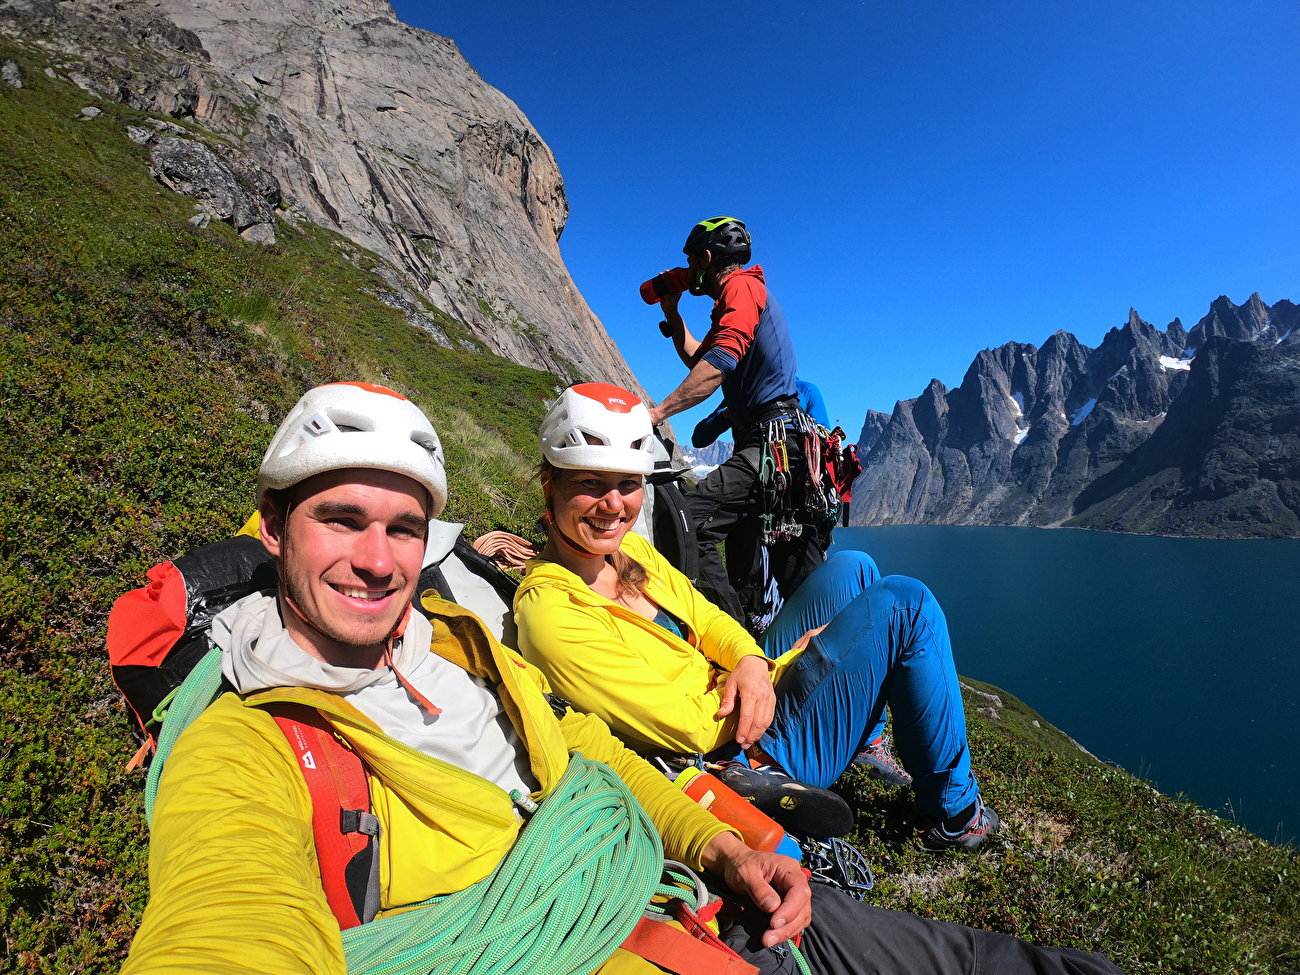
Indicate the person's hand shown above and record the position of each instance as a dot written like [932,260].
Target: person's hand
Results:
[669,304]
[656,416]
[774,883]
[751,682]
[802,642]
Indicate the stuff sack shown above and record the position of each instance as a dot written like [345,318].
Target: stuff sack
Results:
[157,633]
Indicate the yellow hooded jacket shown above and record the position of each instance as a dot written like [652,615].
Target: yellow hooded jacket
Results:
[233,876]
[656,691]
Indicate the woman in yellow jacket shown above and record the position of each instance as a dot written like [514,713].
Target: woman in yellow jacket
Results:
[622,634]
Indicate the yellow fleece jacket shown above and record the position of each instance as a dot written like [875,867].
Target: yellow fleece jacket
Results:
[656,691]
[233,876]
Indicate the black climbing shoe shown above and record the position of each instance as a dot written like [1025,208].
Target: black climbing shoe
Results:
[805,810]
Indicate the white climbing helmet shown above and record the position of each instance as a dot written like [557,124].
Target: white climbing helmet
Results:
[598,427]
[355,425]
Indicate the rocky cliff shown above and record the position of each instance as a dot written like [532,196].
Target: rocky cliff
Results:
[367,126]
[1190,433]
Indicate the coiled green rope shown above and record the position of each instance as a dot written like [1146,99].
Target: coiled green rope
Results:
[563,899]
[200,689]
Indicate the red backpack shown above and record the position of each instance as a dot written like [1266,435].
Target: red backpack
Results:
[156,636]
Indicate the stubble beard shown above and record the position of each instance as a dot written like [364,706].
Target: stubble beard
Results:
[298,588]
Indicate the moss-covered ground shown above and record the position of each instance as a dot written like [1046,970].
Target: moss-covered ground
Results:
[142,364]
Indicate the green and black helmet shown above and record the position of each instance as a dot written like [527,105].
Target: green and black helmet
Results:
[721,235]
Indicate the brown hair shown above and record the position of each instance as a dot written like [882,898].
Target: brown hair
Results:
[632,574]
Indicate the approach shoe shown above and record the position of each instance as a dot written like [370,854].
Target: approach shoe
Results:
[880,763]
[937,838]
[805,810]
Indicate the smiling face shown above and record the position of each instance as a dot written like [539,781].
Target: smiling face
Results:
[350,557]
[595,509]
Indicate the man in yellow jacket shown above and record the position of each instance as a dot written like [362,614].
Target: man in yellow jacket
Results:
[447,721]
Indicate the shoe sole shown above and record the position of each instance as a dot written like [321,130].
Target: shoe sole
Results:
[799,809]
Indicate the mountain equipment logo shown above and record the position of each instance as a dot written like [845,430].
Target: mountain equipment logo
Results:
[304,753]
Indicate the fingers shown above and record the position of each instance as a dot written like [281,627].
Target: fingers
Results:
[791,917]
[794,912]
[744,728]
[761,707]
[786,897]
[729,691]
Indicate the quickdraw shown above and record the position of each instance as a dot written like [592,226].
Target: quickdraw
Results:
[779,521]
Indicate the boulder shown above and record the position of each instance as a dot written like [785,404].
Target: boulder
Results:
[259,233]
[11,74]
[191,168]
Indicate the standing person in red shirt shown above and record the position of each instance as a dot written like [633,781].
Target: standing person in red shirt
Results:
[747,351]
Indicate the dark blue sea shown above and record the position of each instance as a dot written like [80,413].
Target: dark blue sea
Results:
[1177,658]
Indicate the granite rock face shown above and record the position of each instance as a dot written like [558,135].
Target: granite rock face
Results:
[1067,435]
[368,126]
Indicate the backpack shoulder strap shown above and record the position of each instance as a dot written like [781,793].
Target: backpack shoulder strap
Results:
[484,567]
[345,830]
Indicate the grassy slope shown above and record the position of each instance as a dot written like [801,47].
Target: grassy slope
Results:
[140,363]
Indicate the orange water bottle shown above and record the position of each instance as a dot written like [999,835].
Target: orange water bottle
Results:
[757,829]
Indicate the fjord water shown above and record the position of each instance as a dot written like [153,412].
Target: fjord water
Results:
[1177,658]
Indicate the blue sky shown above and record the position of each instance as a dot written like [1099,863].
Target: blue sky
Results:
[921,180]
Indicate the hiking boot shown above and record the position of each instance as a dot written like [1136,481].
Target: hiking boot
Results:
[880,763]
[941,836]
[804,810]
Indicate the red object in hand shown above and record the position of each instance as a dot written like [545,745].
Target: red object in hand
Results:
[672,282]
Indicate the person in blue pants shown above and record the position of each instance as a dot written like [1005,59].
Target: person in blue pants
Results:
[876,641]
[621,633]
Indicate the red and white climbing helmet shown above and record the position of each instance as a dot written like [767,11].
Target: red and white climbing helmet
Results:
[598,427]
[355,425]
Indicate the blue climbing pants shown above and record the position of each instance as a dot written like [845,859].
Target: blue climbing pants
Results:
[888,645]
[835,583]
[832,586]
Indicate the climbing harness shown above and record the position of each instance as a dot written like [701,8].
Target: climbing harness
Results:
[690,904]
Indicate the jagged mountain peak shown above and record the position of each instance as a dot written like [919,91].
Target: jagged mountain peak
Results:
[1029,429]
[1251,322]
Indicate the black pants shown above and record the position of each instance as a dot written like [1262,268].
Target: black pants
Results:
[848,938]
[728,506]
